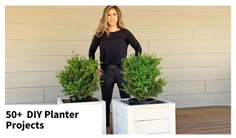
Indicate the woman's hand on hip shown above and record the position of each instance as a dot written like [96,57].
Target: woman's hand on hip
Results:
[100,72]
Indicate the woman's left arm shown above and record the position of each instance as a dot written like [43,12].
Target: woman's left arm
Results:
[134,43]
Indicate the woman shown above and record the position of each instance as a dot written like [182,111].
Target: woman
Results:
[113,40]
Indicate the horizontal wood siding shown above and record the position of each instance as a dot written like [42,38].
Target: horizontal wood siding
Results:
[193,41]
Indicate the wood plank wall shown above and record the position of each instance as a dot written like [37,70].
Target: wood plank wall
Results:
[193,41]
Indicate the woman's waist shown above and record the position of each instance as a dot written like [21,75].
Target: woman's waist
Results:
[111,66]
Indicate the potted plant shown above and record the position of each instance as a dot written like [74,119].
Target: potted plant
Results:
[80,80]
[144,113]
[142,75]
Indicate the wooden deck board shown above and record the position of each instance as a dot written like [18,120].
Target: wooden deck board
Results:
[203,120]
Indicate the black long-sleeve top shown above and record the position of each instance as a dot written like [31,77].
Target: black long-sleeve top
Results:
[114,47]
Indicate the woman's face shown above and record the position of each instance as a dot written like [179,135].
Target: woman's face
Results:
[112,17]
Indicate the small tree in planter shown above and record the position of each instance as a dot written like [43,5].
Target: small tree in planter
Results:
[142,75]
[79,78]
[143,114]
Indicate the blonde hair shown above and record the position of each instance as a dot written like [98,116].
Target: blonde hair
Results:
[103,25]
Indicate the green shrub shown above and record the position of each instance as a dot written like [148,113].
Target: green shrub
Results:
[142,76]
[79,78]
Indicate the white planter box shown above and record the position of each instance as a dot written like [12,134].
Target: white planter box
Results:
[143,119]
[100,102]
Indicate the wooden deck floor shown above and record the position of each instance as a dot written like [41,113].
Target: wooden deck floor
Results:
[203,120]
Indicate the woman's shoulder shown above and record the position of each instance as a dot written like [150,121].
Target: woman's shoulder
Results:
[126,31]
[98,34]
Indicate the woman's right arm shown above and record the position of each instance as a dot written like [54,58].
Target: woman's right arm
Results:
[92,50]
[93,47]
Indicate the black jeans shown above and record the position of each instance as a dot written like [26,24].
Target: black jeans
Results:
[111,75]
